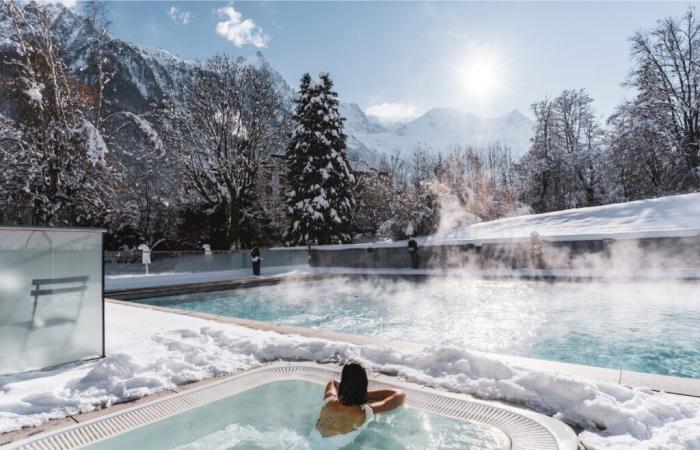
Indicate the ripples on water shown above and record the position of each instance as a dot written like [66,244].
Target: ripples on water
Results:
[282,414]
[648,327]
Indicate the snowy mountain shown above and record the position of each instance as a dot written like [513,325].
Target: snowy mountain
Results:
[144,78]
[437,130]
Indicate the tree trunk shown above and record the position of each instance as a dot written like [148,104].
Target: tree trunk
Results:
[234,229]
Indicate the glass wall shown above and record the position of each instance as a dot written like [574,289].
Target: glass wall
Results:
[51,306]
[129,262]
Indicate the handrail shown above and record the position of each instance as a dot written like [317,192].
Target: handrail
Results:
[46,228]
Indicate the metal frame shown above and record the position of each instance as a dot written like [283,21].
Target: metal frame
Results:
[104,347]
[38,228]
[101,231]
[524,429]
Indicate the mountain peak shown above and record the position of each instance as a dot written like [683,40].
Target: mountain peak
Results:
[442,111]
[516,117]
[356,119]
[440,129]
[516,114]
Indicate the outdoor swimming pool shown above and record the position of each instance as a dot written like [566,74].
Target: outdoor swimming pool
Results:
[646,327]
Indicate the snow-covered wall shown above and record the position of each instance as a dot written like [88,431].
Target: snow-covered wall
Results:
[657,233]
[673,216]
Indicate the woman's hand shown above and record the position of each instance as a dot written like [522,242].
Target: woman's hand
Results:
[331,389]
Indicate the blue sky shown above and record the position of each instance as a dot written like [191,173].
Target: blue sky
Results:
[402,58]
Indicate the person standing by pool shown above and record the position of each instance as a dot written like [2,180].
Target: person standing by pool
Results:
[348,405]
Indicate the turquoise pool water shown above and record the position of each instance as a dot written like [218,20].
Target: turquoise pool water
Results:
[647,327]
[281,415]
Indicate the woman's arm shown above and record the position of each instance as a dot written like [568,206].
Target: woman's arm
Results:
[331,389]
[385,400]
[379,394]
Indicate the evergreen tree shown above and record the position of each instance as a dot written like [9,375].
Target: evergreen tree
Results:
[320,198]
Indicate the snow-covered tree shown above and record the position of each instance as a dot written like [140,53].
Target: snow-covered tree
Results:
[372,194]
[642,159]
[320,185]
[233,112]
[53,161]
[564,168]
[413,212]
[149,189]
[481,179]
[96,17]
[665,76]
[399,200]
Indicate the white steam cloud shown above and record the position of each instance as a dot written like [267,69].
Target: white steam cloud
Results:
[392,112]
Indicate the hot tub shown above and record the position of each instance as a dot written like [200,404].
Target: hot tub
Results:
[276,406]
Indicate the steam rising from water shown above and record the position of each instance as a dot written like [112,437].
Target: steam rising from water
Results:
[650,327]
[660,233]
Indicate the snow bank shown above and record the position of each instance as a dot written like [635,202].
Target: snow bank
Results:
[673,216]
[644,218]
[145,358]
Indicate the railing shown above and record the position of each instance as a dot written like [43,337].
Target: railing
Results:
[51,305]
[130,262]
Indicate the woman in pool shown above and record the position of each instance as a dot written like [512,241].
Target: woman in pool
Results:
[347,405]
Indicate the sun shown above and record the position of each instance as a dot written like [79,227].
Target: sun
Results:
[481,72]
[481,77]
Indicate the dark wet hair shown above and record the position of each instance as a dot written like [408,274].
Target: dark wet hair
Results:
[353,385]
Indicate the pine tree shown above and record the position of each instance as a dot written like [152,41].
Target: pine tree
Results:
[320,198]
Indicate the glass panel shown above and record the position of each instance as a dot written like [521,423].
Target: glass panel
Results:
[129,262]
[50,297]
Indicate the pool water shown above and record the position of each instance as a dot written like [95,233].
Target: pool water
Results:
[646,327]
[281,415]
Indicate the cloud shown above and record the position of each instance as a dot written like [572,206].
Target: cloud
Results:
[392,112]
[179,16]
[238,31]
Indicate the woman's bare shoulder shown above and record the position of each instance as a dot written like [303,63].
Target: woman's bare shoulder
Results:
[333,403]
[336,407]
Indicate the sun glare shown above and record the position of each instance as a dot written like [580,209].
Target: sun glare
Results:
[481,72]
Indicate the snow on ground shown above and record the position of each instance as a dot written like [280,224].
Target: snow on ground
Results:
[150,351]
